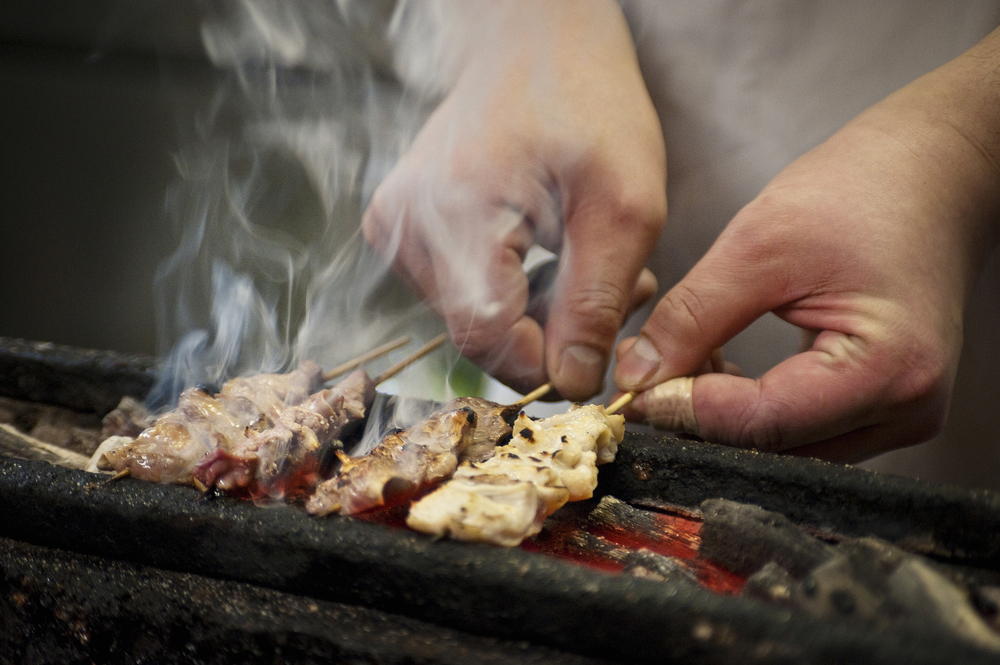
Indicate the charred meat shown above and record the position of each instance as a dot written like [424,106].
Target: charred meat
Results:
[284,460]
[494,426]
[506,498]
[402,465]
[169,449]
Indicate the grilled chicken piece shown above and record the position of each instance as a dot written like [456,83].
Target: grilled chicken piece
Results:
[129,418]
[493,426]
[402,465]
[270,394]
[284,460]
[506,498]
[169,449]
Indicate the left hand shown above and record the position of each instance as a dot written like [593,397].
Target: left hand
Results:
[871,241]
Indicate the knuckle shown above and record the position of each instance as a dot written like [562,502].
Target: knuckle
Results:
[601,306]
[763,429]
[637,209]
[378,221]
[683,305]
[477,337]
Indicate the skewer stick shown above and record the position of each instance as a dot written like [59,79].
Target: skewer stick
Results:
[537,393]
[124,473]
[362,359]
[406,362]
[620,402]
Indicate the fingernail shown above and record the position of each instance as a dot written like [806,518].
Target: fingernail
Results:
[581,370]
[640,363]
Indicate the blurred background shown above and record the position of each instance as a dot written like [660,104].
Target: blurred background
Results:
[88,126]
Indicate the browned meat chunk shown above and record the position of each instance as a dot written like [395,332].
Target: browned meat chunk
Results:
[404,464]
[284,460]
[169,449]
[493,426]
[506,498]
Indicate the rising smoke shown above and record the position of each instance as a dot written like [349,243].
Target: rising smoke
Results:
[271,267]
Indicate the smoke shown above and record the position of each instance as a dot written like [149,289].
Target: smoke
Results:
[316,102]
[271,267]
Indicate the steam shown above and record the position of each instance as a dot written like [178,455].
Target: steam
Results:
[316,103]
[271,268]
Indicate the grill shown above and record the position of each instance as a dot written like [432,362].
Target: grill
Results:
[129,571]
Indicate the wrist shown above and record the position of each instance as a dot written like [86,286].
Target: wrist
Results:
[947,125]
[438,42]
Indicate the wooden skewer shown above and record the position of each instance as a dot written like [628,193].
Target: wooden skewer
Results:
[403,364]
[362,359]
[124,473]
[537,393]
[620,402]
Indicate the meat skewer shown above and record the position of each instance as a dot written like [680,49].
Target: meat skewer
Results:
[283,461]
[408,462]
[506,498]
[620,403]
[169,449]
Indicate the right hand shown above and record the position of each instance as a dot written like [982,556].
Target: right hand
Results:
[547,135]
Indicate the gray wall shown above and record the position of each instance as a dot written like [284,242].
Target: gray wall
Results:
[89,97]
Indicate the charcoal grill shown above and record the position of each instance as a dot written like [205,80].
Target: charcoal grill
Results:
[131,571]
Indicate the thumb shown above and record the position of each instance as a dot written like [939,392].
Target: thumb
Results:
[723,294]
[599,284]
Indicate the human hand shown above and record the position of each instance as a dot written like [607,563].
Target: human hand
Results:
[871,242]
[547,134]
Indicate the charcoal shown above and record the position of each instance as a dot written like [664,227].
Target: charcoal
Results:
[582,544]
[835,589]
[938,603]
[650,565]
[743,538]
[617,517]
[772,583]
[615,514]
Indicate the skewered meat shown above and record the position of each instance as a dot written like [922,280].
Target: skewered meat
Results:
[402,465]
[506,498]
[284,460]
[129,418]
[270,394]
[494,426]
[169,449]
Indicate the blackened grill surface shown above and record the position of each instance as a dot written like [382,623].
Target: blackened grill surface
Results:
[508,594]
[81,379]
[926,517]
[60,607]
[505,594]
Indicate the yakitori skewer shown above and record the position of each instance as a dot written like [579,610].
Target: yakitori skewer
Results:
[285,461]
[408,462]
[223,434]
[620,403]
[537,393]
[362,359]
[412,358]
